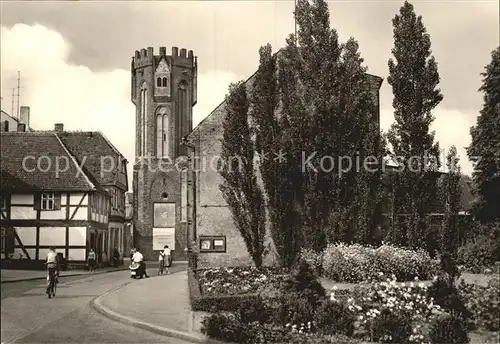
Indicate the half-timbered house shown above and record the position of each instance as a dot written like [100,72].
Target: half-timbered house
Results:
[49,197]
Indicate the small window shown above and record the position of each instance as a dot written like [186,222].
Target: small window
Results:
[3,202]
[6,126]
[48,201]
[158,82]
[214,244]
[164,82]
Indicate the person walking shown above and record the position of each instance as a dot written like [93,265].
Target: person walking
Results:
[91,260]
[167,257]
[161,263]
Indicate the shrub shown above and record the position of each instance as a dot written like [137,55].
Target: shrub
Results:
[304,284]
[294,309]
[314,259]
[483,302]
[449,329]
[255,310]
[320,339]
[225,327]
[333,317]
[389,327]
[448,297]
[482,251]
[356,263]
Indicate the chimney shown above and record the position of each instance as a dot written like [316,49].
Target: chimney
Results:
[59,127]
[25,115]
[21,127]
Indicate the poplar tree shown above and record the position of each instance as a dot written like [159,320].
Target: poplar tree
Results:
[280,176]
[414,77]
[240,189]
[484,150]
[452,193]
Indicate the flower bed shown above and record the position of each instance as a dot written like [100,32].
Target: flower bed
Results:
[238,280]
[357,263]
[387,312]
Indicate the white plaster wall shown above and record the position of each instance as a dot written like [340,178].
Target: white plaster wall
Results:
[27,235]
[77,254]
[55,236]
[21,199]
[59,214]
[22,213]
[81,213]
[75,198]
[77,236]
[19,254]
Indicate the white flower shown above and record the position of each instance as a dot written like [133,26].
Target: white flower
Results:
[416,278]
[334,287]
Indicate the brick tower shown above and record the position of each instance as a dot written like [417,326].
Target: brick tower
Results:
[164,93]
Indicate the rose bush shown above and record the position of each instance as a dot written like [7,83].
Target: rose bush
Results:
[357,263]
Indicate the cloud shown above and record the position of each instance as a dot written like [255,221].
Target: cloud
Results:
[60,92]
[451,127]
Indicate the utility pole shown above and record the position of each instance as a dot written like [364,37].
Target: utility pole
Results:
[18,94]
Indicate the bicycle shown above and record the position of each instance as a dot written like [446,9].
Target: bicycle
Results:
[52,287]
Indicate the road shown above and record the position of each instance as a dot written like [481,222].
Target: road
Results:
[29,316]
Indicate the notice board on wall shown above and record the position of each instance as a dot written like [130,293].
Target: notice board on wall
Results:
[162,237]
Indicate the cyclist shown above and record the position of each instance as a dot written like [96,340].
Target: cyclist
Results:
[52,266]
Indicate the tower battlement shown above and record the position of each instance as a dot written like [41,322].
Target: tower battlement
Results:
[145,57]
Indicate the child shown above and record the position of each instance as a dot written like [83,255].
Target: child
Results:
[161,263]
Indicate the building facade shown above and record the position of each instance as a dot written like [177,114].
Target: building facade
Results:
[164,93]
[61,189]
[44,206]
[109,167]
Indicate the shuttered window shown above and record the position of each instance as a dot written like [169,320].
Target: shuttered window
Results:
[48,201]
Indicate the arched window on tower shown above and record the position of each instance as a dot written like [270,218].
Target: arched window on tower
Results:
[164,82]
[144,120]
[162,123]
[158,82]
[182,102]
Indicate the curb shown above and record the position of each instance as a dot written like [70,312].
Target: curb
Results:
[98,306]
[62,276]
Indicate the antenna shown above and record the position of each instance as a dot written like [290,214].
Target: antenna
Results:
[12,112]
[18,88]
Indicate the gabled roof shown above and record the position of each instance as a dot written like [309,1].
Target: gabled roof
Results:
[16,120]
[93,150]
[20,153]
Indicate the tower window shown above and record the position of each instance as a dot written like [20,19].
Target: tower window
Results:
[158,82]
[164,82]
[162,124]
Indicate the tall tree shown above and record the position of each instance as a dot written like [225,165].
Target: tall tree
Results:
[452,194]
[414,77]
[336,120]
[240,189]
[484,150]
[279,175]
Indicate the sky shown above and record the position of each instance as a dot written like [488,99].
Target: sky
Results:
[74,57]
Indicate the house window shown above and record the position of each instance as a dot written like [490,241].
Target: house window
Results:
[215,244]
[164,82]
[6,126]
[48,201]
[3,202]
[158,82]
